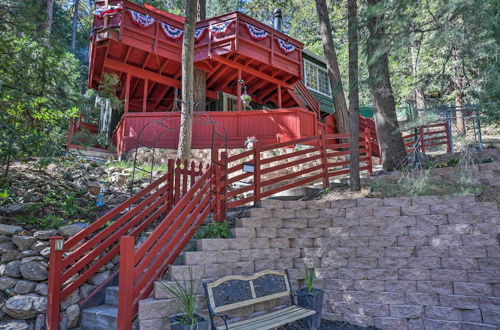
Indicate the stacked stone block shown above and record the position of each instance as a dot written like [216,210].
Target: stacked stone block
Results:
[395,263]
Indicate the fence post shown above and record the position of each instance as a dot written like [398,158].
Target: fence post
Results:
[324,160]
[221,188]
[369,150]
[256,173]
[54,290]
[422,137]
[126,280]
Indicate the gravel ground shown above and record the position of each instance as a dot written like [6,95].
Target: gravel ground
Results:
[328,325]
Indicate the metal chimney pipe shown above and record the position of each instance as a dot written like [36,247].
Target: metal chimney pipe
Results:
[277,19]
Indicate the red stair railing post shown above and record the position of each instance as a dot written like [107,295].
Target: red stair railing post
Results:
[256,172]
[126,283]
[324,160]
[54,294]
[222,191]
[369,150]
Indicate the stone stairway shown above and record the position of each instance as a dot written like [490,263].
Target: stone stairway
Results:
[103,317]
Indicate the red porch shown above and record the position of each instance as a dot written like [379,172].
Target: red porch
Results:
[143,45]
[269,126]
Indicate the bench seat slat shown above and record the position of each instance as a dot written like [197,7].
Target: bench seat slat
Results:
[271,320]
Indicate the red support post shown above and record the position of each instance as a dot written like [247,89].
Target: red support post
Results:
[324,161]
[256,172]
[126,280]
[54,290]
[369,152]
[222,191]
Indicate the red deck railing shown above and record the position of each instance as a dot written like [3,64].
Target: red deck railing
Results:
[318,161]
[268,126]
[429,136]
[178,202]
[85,253]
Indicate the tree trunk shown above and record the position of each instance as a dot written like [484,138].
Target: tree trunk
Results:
[74,28]
[459,94]
[186,129]
[200,76]
[339,102]
[418,95]
[49,12]
[388,134]
[352,35]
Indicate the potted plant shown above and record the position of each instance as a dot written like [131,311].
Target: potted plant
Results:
[186,293]
[311,298]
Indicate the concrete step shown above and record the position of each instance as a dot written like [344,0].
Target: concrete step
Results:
[103,317]
[111,296]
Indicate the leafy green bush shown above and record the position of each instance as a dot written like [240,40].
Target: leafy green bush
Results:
[215,230]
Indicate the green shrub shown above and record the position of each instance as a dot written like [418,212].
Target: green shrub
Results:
[215,230]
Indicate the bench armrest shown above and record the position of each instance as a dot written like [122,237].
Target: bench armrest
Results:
[223,317]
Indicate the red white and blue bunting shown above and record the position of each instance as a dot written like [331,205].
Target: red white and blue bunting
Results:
[107,10]
[171,32]
[220,29]
[256,33]
[285,46]
[199,33]
[141,20]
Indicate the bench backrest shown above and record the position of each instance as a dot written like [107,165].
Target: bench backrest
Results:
[236,291]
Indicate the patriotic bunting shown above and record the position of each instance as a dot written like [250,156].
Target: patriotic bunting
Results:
[285,46]
[199,33]
[256,33]
[107,10]
[220,29]
[141,20]
[171,32]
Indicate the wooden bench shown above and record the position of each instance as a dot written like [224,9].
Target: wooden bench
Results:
[231,292]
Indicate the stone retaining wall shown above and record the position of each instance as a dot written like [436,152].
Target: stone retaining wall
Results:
[23,279]
[395,263]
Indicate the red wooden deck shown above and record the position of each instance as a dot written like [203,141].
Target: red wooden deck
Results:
[148,62]
[268,126]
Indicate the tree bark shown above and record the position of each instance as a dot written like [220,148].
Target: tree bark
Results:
[418,95]
[49,12]
[200,76]
[74,28]
[459,94]
[352,35]
[186,129]
[388,134]
[341,112]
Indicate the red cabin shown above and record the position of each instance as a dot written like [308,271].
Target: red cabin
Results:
[240,55]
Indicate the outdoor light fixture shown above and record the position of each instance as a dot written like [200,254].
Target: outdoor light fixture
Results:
[59,245]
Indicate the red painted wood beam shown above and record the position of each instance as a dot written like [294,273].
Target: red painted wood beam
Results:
[216,77]
[143,74]
[249,70]
[127,92]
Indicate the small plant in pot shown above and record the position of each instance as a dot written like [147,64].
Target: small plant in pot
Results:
[311,298]
[186,292]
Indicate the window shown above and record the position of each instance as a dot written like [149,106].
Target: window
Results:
[229,102]
[316,78]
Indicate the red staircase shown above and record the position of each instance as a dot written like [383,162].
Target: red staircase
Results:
[175,205]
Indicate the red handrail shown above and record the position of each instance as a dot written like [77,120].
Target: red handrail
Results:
[100,241]
[139,268]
